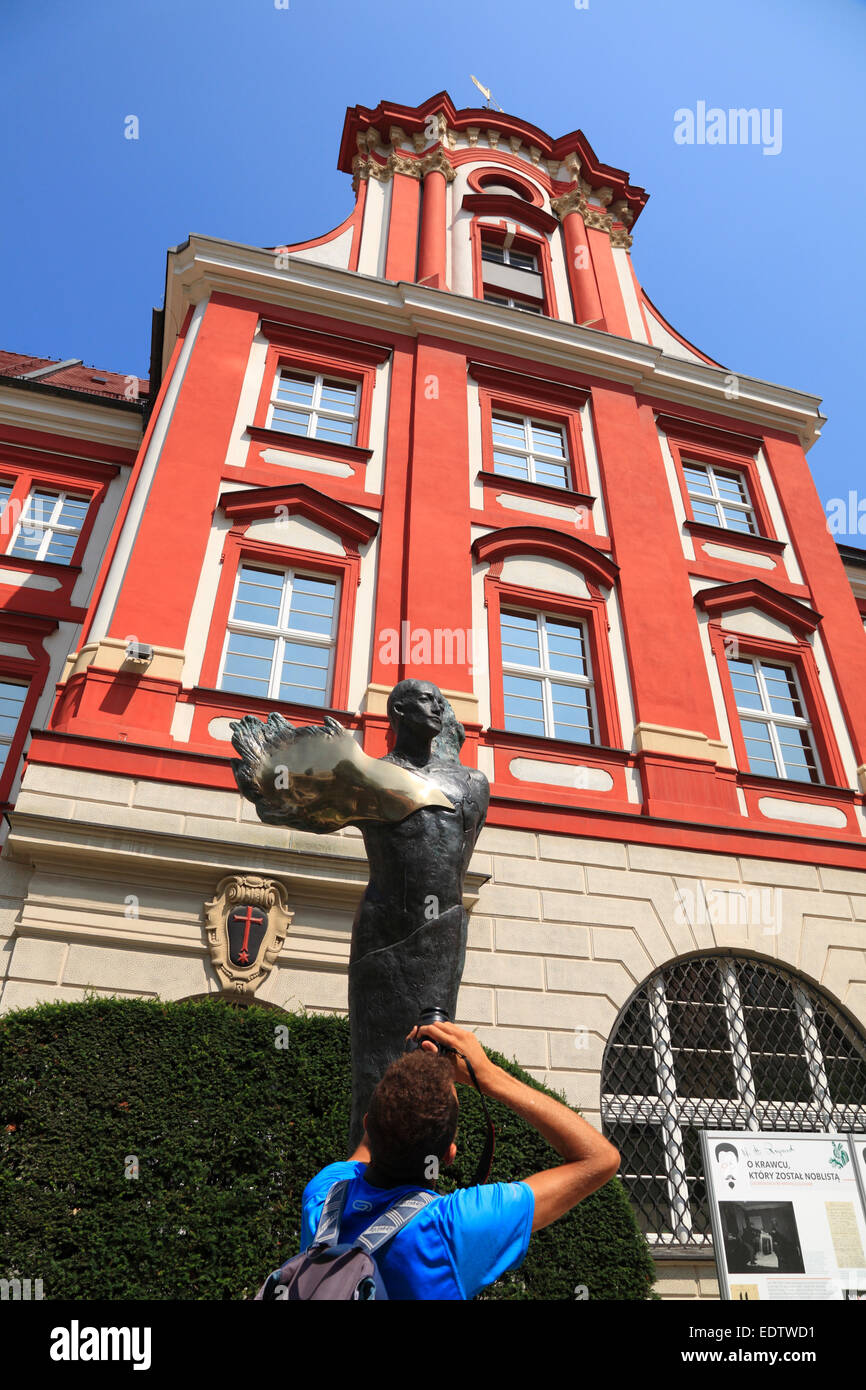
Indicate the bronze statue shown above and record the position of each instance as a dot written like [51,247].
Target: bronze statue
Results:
[420,812]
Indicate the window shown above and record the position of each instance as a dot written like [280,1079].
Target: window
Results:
[49,526]
[511,301]
[319,407]
[506,255]
[547,680]
[281,638]
[719,496]
[720,1042]
[12,697]
[777,734]
[530,449]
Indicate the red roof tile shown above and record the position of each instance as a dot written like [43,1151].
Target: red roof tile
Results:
[112,385]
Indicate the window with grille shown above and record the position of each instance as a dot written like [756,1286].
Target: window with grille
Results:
[320,407]
[513,301]
[720,1042]
[498,254]
[777,734]
[49,525]
[281,636]
[533,450]
[12,697]
[547,677]
[720,497]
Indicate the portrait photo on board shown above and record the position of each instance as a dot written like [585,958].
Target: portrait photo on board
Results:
[761,1237]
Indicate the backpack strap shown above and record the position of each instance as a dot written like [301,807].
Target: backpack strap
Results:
[386,1226]
[328,1228]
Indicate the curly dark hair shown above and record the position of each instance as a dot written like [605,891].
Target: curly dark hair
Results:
[412,1115]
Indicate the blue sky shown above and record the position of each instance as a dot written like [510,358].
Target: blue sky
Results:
[754,257]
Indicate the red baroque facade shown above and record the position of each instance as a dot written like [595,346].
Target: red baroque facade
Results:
[454,439]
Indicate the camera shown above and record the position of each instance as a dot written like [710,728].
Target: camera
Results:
[434,1015]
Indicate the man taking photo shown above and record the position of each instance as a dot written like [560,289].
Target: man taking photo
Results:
[462,1242]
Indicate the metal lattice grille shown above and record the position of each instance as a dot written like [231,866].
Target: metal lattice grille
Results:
[720,1042]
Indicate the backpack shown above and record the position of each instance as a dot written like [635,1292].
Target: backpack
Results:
[327,1270]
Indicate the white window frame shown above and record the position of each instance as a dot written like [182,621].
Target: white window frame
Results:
[529,454]
[281,632]
[770,718]
[506,256]
[718,501]
[50,528]
[546,674]
[314,411]
[509,301]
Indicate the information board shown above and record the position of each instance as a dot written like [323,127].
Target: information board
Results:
[788,1214]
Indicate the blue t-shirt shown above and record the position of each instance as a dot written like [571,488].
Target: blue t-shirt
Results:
[450,1250]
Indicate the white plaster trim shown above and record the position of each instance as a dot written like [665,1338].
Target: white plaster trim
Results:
[716,685]
[20,579]
[516,503]
[363,637]
[181,722]
[99,537]
[629,295]
[804,812]
[201,613]
[540,572]
[738,557]
[374,480]
[575,775]
[476,453]
[309,465]
[117,572]
[334,251]
[593,472]
[676,495]
[481,653]
[757,624]
[777,516]
[837,718]
[239,440]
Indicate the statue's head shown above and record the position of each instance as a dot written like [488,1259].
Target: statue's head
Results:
[417,706]
[422,709]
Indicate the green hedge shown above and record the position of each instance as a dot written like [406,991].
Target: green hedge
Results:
[227,1128]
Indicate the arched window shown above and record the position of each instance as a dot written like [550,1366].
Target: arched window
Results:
[720,1041]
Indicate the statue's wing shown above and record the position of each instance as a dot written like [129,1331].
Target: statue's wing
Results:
[319,778]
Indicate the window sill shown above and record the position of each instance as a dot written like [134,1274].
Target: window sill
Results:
[264,705]
[523,487]
[822,791]
[723,535]
[302,444]
[563,748]
[28,566]
[690,1254]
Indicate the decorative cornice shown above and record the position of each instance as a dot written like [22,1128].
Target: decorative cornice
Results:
[262,503]
[754,593]
[367,166]
[533,540]
[439,120]
[575,200]
[436,162]
[206,265]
